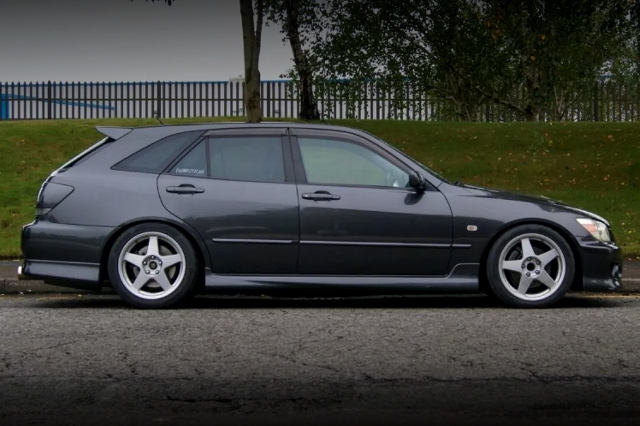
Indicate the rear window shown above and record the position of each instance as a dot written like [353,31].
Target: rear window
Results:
[157,156]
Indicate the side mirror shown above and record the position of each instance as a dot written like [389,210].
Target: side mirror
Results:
[417,181]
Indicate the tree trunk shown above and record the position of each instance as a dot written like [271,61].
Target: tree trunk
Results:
[531,99]
[308,105]
[532,113]
[252,102]
[252,38]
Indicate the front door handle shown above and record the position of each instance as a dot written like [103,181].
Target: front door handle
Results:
[320,196]
[184,189]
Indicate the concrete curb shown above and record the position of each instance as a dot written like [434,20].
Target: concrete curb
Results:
[15,286]
[630,285]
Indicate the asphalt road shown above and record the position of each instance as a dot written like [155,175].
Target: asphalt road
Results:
[67,359]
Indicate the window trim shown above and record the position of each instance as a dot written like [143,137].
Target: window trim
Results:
[301,174]
[186,152]
[207,136]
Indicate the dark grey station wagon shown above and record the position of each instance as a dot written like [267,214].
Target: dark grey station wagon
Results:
[161,213]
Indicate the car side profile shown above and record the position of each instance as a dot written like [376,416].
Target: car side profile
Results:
[162,213]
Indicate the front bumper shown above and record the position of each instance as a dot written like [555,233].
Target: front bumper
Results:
[601,265]
[21,276]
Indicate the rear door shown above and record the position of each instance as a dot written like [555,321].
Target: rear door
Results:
[358,216]
[237,189]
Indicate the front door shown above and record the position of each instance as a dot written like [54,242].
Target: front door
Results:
[359,216]
[237,190]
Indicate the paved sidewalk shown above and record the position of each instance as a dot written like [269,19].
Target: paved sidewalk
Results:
[9,283]
[631,269]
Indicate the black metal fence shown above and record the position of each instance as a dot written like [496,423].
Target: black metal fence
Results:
[37,101]
[606,101]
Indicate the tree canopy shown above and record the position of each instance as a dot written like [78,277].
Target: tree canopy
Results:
[528,55]
[524,54]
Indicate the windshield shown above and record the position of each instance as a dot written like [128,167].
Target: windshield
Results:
[426,169]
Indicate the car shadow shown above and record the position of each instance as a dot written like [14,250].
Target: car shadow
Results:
[109,301]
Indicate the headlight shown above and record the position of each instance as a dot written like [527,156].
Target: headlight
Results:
[597,229]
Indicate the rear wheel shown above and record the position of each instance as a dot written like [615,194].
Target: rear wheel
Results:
[153,265]
[530,266]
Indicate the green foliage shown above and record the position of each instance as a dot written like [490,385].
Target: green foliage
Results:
[594,166]
[528,55]
[560,47]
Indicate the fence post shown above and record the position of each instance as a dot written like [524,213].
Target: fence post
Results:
[49,99]
[3,107]
[160,99]
[244,106]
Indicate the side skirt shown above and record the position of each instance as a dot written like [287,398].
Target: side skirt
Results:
[462,279]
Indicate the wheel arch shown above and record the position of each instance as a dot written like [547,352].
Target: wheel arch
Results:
[577,279]
[198,244]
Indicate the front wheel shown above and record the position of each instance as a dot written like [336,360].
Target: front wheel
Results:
[153,265]
[530,266]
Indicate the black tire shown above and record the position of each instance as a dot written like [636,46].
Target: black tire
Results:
[505,241]
[189,268]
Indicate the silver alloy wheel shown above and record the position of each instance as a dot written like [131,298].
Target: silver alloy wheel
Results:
[532,267]
[151,265]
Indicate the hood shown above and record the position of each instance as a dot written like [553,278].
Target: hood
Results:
[537,199]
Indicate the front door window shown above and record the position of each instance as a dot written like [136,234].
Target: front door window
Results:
[338,162]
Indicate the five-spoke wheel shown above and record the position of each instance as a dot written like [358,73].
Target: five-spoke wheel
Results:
[153,265]
[530,266]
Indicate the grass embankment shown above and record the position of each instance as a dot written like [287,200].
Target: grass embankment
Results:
[595,166]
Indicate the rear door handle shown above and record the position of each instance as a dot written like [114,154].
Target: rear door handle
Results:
[184,189]
[320,196]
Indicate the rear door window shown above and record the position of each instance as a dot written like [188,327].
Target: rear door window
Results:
[256,158]
[245,158]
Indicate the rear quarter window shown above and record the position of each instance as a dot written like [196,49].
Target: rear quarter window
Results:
[157,156]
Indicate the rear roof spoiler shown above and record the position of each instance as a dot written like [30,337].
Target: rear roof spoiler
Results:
[114,133]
